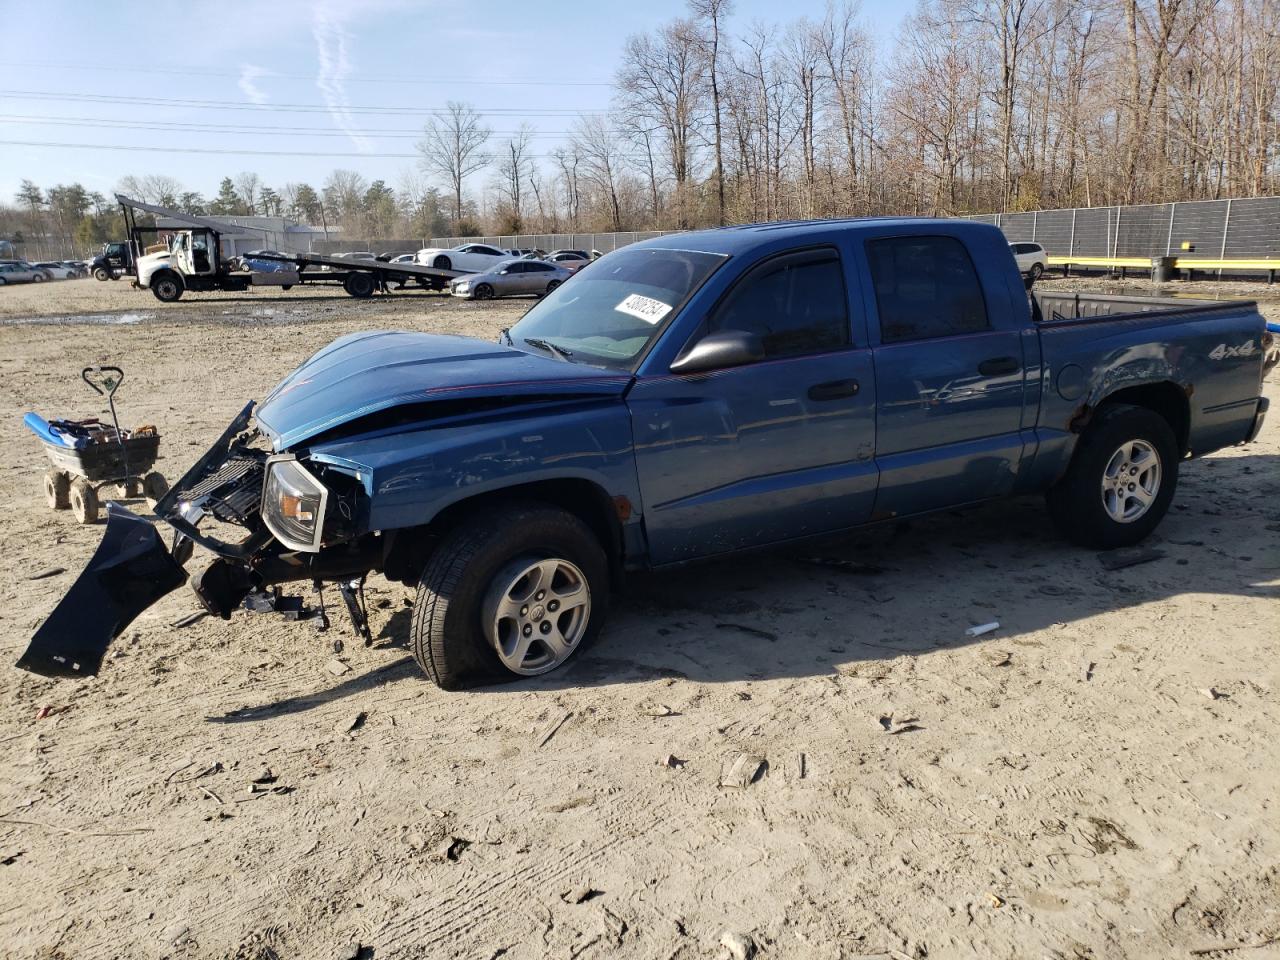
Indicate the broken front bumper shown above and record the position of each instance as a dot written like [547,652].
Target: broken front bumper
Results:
[130,571]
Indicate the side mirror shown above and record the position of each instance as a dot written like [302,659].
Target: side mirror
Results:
[715,351]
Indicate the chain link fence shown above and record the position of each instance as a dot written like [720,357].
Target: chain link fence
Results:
[1217,229]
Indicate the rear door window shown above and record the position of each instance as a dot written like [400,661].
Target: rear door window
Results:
[925,287]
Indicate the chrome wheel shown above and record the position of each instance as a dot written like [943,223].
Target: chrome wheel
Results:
[536,612]
[1131,481]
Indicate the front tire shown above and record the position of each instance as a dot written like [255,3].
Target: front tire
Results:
[57,490]
[167,288]
[38,278]
[102,274]
[482,292]
[509,592]
[84,501]
[1121,479]
[442,263]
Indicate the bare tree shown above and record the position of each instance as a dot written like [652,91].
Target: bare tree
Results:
[515,166]
[454,148]
[596,144]
[248,185]
[709,15]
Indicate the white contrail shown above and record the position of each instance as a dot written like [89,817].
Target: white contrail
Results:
[249,74]
[330,33]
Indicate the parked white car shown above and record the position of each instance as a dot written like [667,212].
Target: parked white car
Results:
[468,257]
[56,269]
[1031,258]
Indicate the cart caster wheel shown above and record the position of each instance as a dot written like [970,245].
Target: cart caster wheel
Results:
[154,486]
[57,490]
[84,501]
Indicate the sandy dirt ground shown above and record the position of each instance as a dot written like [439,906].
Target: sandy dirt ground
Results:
[1098,778]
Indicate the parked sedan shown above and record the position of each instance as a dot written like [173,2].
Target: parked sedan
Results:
[1031,258]
[511,278]
[18,272]
[55,270]
[571,260]
[467,257]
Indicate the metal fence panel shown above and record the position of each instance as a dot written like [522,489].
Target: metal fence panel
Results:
[1248,227]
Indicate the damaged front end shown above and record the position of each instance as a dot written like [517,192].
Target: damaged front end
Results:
[269,518]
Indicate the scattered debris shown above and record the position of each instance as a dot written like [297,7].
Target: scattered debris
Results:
[997,658]
[550,730]
[905,725]
[451,849]
[49,711]
[356,722]
[984,628]
[996,901]
[656,710]
[744,771]
[348,951]
[802,766]
[739,945]
[581,894]
[1213,694]
[8,859]
[189,619]
[47,572]
[1128,557]
[265,775]
[752,631]
[1086,670]
[1106,836]
[337,667]
[1232,947]
[671,762]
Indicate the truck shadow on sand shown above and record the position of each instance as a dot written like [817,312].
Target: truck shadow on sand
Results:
[909,588]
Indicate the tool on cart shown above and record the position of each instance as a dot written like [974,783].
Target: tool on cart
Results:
[88,455]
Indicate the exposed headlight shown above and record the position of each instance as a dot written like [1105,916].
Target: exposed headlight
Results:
[461,287]
[293,504]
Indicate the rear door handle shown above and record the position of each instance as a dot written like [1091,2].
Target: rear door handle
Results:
[833,390]
[998,365]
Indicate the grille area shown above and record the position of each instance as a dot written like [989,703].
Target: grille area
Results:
[234,490]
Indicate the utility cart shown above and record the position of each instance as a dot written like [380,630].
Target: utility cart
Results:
[88,455]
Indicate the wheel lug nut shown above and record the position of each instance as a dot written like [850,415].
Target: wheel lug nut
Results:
[528,629]
[546,626]
[524,611]
[553,606]
[541,594]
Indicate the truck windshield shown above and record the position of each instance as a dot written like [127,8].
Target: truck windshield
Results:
[614,308]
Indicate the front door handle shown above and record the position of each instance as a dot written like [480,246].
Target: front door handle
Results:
[998,365]
[833,390]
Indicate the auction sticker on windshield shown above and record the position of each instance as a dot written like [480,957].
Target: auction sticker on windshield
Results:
[645,308]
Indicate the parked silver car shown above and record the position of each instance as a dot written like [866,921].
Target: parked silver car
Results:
[18,271]
[511,278]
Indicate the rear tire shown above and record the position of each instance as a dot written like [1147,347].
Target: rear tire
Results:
[84,501]
[57,490]
[359,285]
[450,640]
[1115,454]
[1037,269]
[552,285]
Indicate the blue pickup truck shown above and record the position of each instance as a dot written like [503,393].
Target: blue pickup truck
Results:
[679,399]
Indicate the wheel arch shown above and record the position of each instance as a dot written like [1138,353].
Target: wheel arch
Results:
[409,547]
[1164,397]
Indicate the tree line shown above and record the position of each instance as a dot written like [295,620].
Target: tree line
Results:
[977,105]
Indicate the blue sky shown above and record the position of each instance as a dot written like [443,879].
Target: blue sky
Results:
[361,70]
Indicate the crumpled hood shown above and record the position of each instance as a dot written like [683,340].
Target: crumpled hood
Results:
[364,373]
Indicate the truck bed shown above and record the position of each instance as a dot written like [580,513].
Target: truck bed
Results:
[1053,308]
